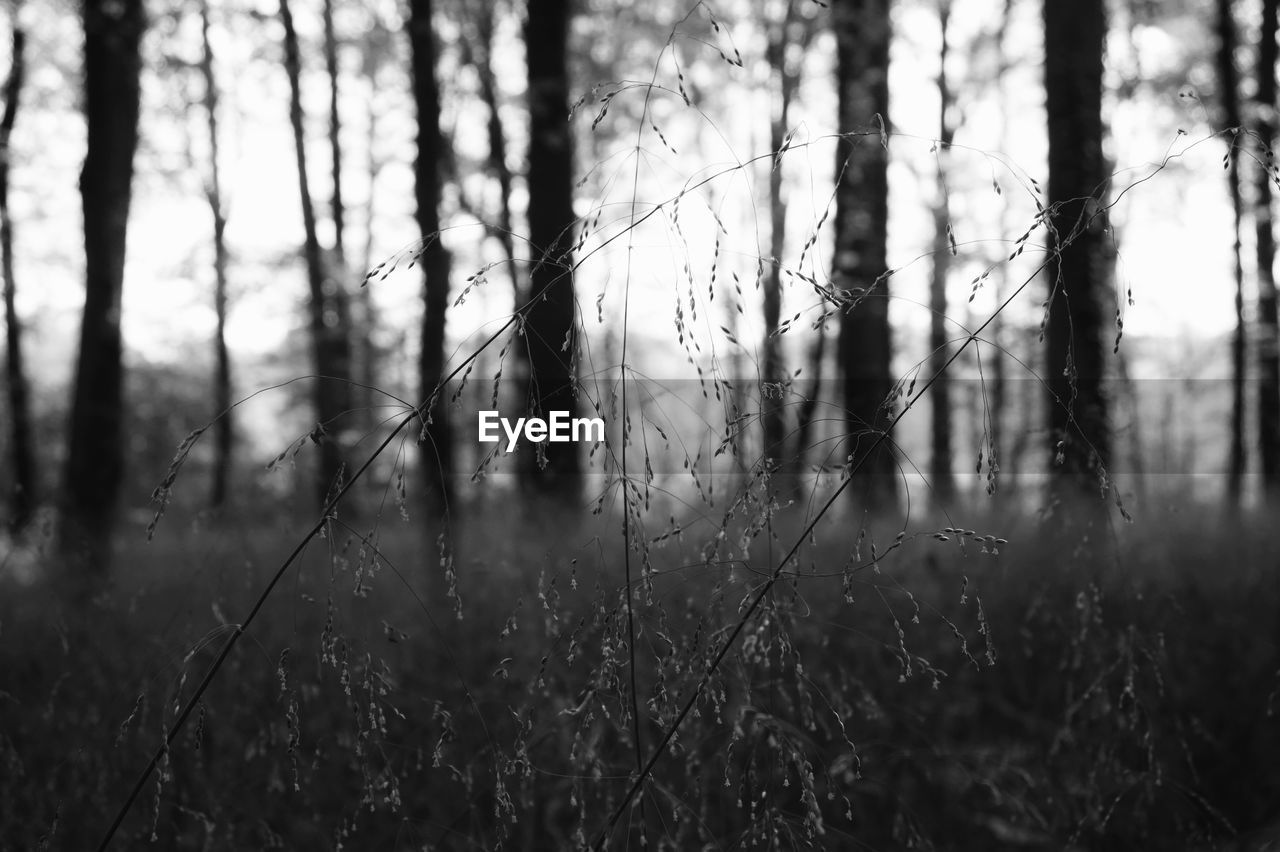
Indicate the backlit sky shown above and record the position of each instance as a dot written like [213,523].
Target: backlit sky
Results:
[1173,231]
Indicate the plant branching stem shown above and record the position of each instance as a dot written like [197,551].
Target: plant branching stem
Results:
[881,437]
[178,723]
[774,575]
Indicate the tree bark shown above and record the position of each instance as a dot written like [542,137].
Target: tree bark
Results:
[773,370]
[481,58]
[95,462]
[550,331]
[940,395]
[336,206]
[1003,343]
[1268,321]
[1229,104]
[1074,38]
[329,312]
[23,496]
[863,33]
[224,429]
[438,450]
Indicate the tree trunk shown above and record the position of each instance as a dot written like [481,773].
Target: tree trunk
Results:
[773,405]
[21,450]
[336,206]
[438,450]
[331,346]
[481,58]
[1074,37]
[943,242]
[1268,322]
[550,332]
[366,353]
[1229,103]
[95,461]
[809,404]
[224,429]
[1000,364]
[863,33]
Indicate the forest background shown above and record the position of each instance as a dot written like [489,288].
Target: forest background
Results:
[921,330]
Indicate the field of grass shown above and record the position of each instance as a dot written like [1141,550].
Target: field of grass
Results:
[890,692]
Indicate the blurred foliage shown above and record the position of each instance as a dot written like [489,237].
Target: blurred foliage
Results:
[1126,708]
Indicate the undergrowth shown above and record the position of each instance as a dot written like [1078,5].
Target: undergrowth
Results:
[951,699]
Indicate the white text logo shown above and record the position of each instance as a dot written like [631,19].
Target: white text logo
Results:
[559,427]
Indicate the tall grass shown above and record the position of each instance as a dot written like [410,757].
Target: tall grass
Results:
[711,651]
[949,699]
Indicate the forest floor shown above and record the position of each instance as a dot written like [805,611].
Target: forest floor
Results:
[925,693]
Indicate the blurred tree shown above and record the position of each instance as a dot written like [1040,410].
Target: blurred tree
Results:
[328,308]
[21,450]
[112,66]
[550,331]
[863,32]
[224,428]
[797,29]
[376,46]
[943,248]
[1229,106]
[336,206]
[817,357]
[1265,245]
[1000,364]
[477,51]
[1074,35]
[438,448]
